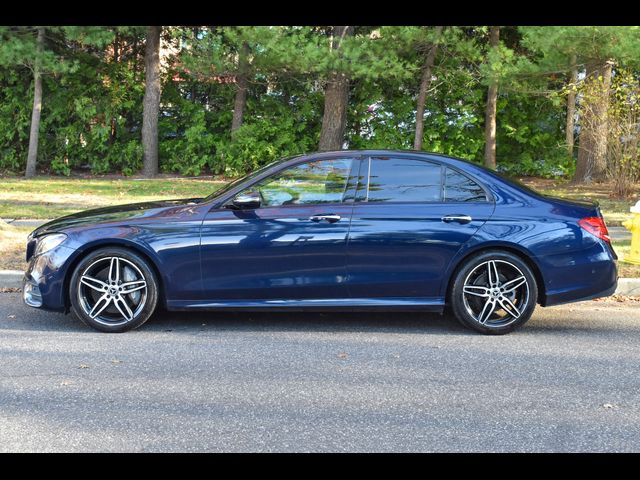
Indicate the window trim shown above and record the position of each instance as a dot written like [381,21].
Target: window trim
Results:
[443,166]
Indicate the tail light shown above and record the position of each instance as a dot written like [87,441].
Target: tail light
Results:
[595,226]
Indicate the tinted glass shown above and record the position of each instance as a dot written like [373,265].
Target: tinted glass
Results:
[460,188]
[403,180]
[240,180]
[323,181]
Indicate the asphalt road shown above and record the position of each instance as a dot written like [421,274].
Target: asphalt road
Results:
[568,381]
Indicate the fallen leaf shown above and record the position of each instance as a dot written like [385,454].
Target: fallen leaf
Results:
[10,290]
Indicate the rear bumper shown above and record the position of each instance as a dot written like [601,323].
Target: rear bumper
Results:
[579,276]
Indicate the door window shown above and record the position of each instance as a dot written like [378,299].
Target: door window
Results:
[315,182]
[404,180]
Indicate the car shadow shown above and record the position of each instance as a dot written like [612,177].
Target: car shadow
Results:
[388,322]
[26,319]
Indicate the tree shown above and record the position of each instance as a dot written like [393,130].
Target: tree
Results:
[45,52]
[623,129]
[242,79]
[490,112]
[571,106]
[592,154]
[336,98]
[594,48]
[425,83]
[151,102]
[32,156]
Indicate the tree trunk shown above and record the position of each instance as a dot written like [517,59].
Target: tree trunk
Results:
[571,107]
[151,103]
[32,155]
[425,83]
[241,88]
[116,46]
[592,147]
[336,99]
[490,113]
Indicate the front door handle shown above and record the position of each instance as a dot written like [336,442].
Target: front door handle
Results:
[331,218]
[457,218]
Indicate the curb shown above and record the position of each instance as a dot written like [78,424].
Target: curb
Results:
[628,286]
[13,279]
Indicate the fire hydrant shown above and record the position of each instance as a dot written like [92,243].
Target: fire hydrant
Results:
[633,226]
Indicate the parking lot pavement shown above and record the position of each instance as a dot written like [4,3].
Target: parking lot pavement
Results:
[567,381]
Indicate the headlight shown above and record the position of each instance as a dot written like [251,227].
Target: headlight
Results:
[47,242]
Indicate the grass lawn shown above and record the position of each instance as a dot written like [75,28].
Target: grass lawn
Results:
[13,243]
[50,197]
[614,210]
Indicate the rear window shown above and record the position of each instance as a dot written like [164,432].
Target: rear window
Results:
[460,188]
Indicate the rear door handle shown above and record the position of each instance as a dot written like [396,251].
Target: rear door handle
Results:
[457,218]
[330,217]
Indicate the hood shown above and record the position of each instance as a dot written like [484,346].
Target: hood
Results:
[117,213]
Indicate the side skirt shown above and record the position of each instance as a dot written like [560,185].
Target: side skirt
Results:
[344,304]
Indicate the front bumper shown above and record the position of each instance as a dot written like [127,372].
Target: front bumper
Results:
[44,280]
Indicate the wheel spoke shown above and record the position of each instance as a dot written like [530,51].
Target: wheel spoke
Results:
[509,307]
[93,283]
[114,270]
[102,303]
[511,285]
[476,290]
[487,310]
[123,308]
[130,287]
[493,273]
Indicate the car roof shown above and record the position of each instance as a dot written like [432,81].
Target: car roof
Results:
[456,161]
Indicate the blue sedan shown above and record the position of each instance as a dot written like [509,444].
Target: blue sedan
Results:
[347,230]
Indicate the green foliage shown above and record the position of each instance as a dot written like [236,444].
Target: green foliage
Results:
[257,143]
[94,87]
[187,145]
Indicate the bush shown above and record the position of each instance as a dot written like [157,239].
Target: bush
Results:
[260,142]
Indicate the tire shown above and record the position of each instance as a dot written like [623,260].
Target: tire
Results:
[113,290]
[493,307]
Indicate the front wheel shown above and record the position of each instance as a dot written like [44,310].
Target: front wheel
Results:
[113,290]
[494,293]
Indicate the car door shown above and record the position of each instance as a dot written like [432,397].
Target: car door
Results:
[410,218]
[293,246]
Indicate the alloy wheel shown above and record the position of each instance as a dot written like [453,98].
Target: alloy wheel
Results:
[495,293]
[112,291]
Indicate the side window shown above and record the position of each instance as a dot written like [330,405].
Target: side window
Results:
[404,180]
[322,181]
[460,188]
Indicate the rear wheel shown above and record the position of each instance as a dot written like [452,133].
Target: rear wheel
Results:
[113,290]
[494,293]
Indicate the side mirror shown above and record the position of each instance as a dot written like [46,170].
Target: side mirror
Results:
[247,201]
